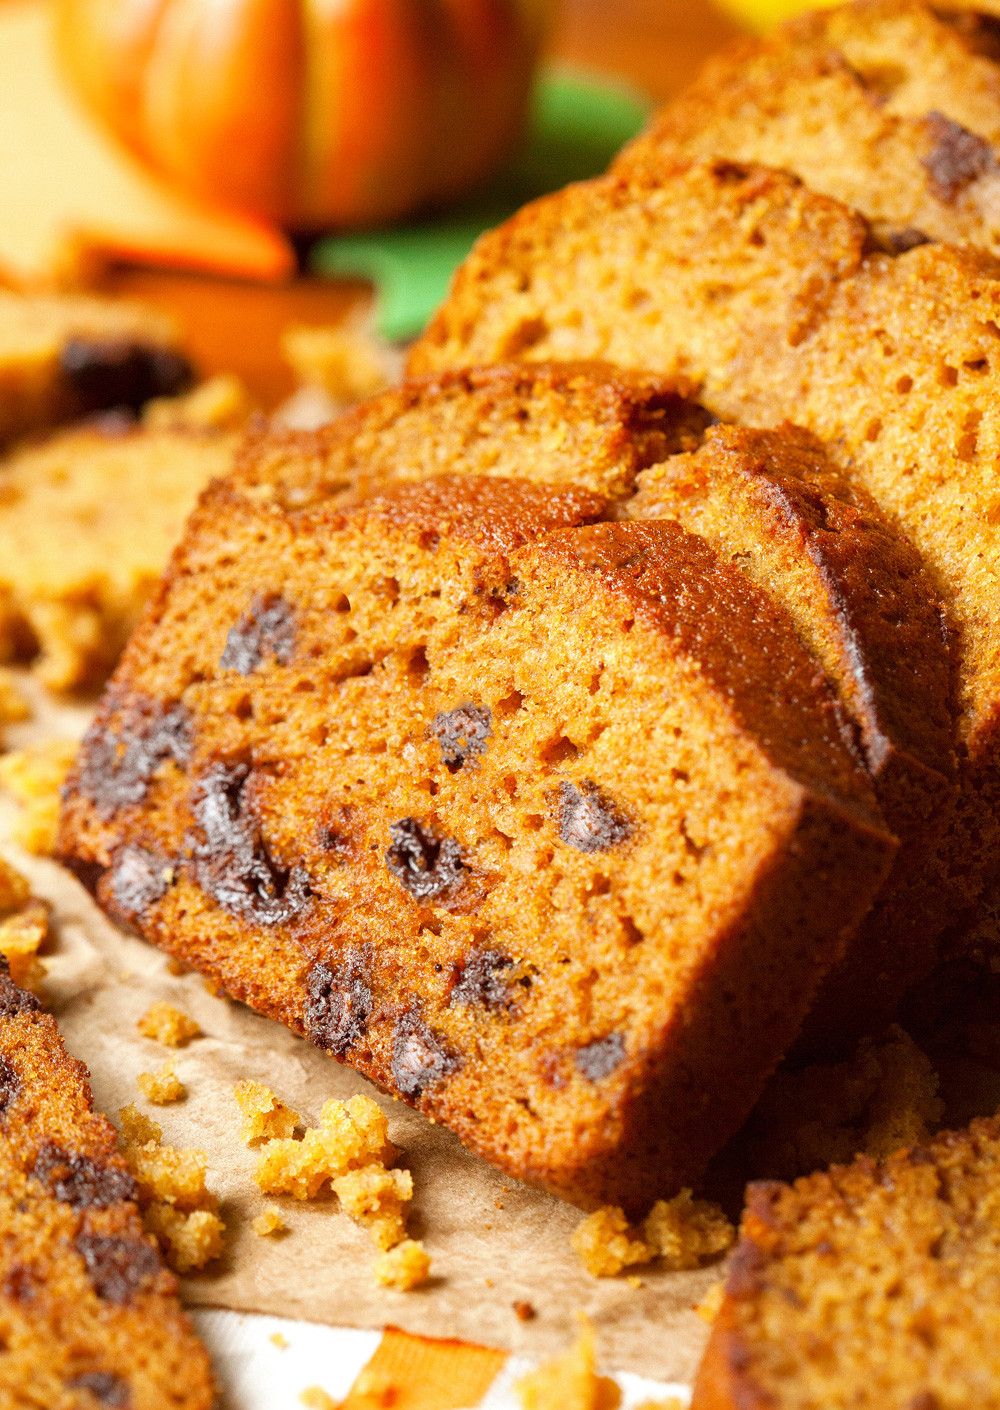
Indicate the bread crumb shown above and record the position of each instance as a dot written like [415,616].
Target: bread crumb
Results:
[570,1382]
[35,777]
[163,1086]
[347,360]
[404,1267]
[279,1340]
[13,706]
[686,1231]
[316,1398]
[168,1025]
[671,1403]
[23,929]
[524,1311]
[377,1198]
[176,1205]
[222,403]
[708,1308]
[136,1129]
[272,1221]
[606,1245]
[266,1117]
[634,1281]
[349,1136]
[683,1232]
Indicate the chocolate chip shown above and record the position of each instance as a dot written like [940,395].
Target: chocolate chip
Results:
[462,733]
[339,1004]
[137,879]
[428,867]
[480,981]
[10,1083]
[81,1182]
[232,864]
[588,820]
[897,242]
[12,999]
[957,157]
[600,1058]
[21,1282]
[268,626]
[117,1268]
[419,1057]
[117,763]
[104,1386]
[113,372]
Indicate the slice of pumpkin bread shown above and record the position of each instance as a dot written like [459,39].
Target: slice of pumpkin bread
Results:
[889,105]
[89,1317]
[561,424]
[548,827]
[870,1285]
[67,356]
[769,299]
[88,518]
[773,504]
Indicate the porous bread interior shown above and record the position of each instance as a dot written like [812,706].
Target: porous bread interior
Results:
[587,425]
[882,1287]
[63,1329]
[841,97]
[88,520]
[392,629]
[762,293]
[35,327]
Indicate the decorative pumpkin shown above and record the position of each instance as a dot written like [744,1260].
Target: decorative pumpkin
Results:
[311,113]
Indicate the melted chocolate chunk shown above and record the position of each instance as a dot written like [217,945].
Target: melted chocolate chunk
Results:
[81,1182]
[104,1386]
[588,820]
[268,626]
[116,764]
[600,1058]
[339,1004]
[428,867]
[113,372]
[138,878]
[463,734]
[897,242]
[419,1057]
[481,981]
[957,157]
[117,1268]
[10,1083]
[232,864]
[12,999]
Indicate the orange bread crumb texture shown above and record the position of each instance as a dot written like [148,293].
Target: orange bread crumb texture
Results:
[177,1207]
[35,776]
[163,1086]
[683,1232]
[168,1025]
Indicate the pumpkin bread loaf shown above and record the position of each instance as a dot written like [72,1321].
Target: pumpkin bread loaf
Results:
[89,1317]
[769,299]
[871,1285]
[63,357]
[773,504]
[550,827]
[889,105]
[88,518]
[778,509]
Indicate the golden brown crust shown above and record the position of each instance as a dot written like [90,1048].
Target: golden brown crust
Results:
[86,1307]
[385,761]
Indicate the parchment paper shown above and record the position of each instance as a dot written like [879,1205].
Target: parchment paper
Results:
[493,1241]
